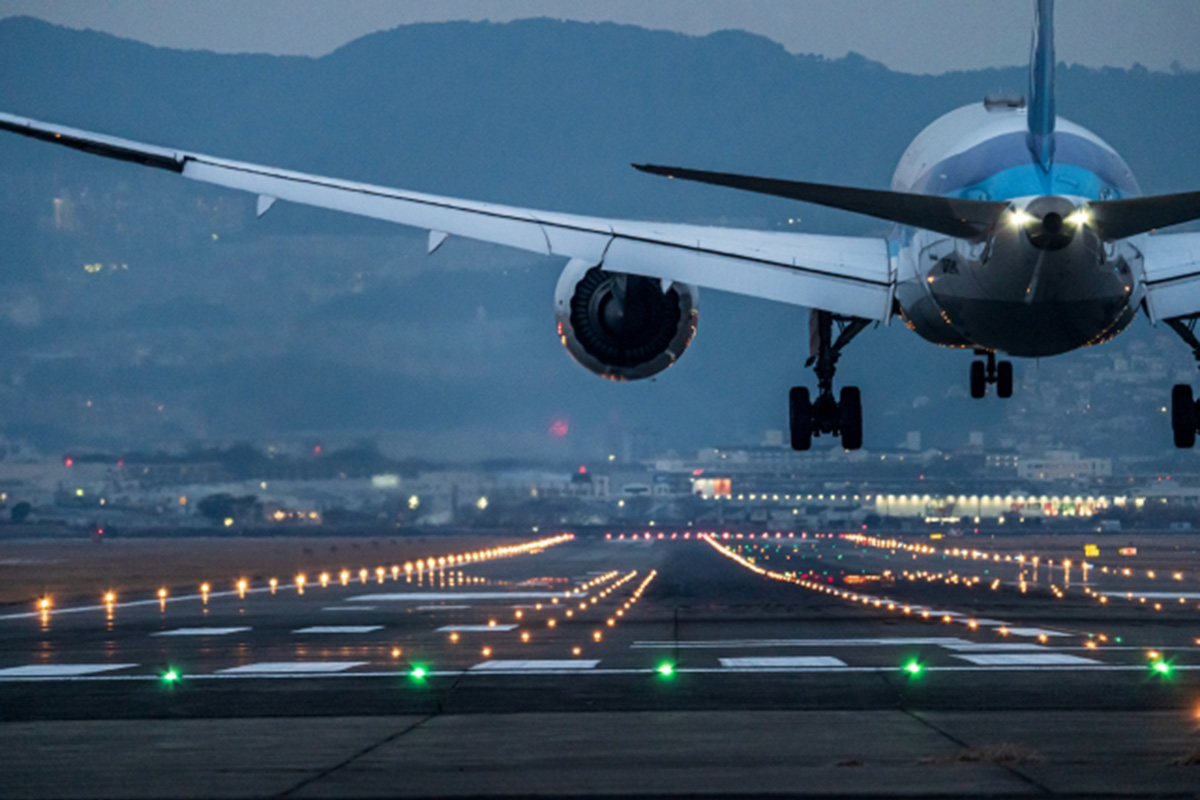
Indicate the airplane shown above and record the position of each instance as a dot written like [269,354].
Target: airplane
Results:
[1015,233]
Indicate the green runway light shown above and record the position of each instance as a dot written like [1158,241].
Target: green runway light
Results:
[1162,668]
[666,670]
[171,676]
[418,673]
[914,668]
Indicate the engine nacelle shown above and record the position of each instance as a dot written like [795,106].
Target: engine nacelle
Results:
[623,327]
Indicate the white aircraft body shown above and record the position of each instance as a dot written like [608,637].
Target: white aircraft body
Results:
[1016,233]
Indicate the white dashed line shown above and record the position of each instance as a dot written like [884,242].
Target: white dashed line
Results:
[1035,632]
[476,628]
[572,665]
[348,608]
[717,644]
[60,670]
[1028,660]
[201,631]
[340,629]
[783,662]
[292,667]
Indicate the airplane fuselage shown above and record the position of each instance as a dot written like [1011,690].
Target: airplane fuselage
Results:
[1018,289]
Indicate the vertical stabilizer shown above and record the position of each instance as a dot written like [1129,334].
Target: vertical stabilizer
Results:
[1041,85]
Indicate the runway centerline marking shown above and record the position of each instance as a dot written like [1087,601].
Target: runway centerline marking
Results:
[339,629]
[980,646]
[292,667]
[716,644]
[475,628]
[201,631]
[424,597]
[782,662]
[348,608]
[544,665]
[1035,632]
[60,670]
[1026,660]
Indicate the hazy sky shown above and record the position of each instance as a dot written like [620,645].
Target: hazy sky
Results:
[926,36]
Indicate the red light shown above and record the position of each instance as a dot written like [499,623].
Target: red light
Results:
[121,463]
[317,449]
[559,428]
[582,470]
[68,462]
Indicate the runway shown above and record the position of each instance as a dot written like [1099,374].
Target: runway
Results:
[724,654]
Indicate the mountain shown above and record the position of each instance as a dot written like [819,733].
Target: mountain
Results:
[179,316]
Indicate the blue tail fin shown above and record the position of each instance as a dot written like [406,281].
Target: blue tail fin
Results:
[1041,86]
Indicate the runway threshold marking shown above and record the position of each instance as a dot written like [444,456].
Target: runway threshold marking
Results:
[1027,660]
[543,665]
[475,628]
[292,667]
[783,662]
[202,631]
[336,629]
[716,644]
[60,670]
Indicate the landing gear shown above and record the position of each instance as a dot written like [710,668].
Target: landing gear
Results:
[997,372]
[1185,411]
[1184,416]
[840,417]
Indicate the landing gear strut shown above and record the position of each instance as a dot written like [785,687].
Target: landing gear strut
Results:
[997,372]
[840,417]
[1185,411]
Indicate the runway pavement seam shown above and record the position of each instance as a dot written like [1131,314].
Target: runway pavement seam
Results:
[325,773]
[1009,768]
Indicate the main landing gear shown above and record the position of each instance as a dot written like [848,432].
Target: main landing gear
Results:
[997,372]
[1185,411]
[840,417]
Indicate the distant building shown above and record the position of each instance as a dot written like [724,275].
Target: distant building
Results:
[1063,465]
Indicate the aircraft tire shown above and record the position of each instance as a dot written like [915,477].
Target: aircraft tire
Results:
[1183,416]
[800,418]
[978,379]
[850,408]
[1004,379]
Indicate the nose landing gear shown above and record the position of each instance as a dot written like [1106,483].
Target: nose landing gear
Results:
[997,372]
[837,417]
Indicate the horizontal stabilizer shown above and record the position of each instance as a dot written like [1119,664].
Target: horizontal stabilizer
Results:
[964,219]
[1116,219]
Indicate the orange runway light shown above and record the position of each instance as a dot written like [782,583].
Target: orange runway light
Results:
[110,598]
[454,637]
[524,636]
[397,652]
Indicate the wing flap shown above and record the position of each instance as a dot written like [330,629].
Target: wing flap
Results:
[1171,264]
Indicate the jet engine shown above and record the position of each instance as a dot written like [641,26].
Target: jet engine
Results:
[620,326]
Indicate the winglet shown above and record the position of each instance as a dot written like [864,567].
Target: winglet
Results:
[265,202]
[1041,86]
[436,240]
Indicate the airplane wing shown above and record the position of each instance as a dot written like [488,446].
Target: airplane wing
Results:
[1171,262]
[851,276]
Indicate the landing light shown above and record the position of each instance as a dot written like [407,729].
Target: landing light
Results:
[1020,217]
[1080,217]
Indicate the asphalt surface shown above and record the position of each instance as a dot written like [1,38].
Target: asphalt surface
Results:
[750,667]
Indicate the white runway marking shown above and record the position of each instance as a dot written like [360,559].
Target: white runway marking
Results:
[784,662]
[60,670]
[1156,595]
[476,628]
[446,607]
[425,597]
[201,631]
[979,646]
[716,644]
[348,608]
[1035,632]
[340,629]
[1028,660]
[535,666]
[290,667]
